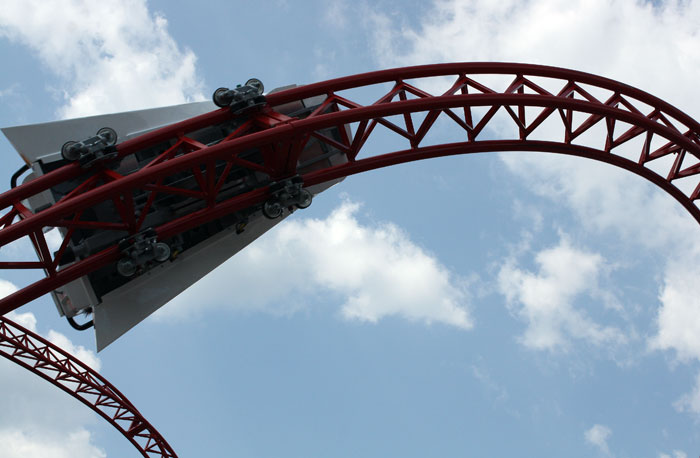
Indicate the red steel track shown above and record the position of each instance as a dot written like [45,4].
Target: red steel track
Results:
[665,133]
[64,370]
[538,108]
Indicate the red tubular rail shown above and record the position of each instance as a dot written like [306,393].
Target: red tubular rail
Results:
[668,156]
[277,133]
[68,373]
[679,132]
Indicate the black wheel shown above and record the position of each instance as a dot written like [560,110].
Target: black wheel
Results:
[257,84]
[109,135]
[70,152]
[272,209]
[126,267]
[305,199]
[162,252]
[219,99]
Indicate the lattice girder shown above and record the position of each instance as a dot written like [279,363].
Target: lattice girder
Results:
[71,375]
[569,100]
[281,140]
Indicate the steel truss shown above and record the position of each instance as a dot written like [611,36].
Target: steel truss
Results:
[67,372]
[281,140]
[578,114]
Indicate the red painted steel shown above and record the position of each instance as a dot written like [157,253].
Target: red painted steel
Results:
[67,372]
[582,106]
[282,138]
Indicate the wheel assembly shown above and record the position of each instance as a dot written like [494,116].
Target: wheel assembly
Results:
[126,267]
[108,136]
[256,84]
[70,151]
[161,252]
[221,98]
[272,209]
[305,199]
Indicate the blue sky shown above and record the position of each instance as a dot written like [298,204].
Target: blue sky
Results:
[494,305]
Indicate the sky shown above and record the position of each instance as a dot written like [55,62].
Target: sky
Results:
[493,305]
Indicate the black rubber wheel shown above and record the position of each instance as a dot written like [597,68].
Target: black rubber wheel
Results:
[217,97]
[70,154]
[109,135]
[126,267]
[257,84]
[272,209]
[162,252]
[305,199]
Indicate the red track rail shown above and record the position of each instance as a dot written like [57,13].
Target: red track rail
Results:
[281,139]
[588,124]
[65,371]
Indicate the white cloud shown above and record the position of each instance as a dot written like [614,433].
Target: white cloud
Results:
[19,444]
[633,42]
[605,199]
[560,33]
[85,355]
[598,435]
[495,390]
[676,454]
[54,239]
[6,288]
[108,56]
[690,402]
[678,319]
[375,271]
[111,55]
[335,14]
[12,90]
[545,299]
[45,421]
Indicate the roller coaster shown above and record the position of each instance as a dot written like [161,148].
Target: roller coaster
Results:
[249,161]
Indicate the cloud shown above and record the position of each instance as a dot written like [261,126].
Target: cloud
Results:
[678,321]
[604,199]
[107,56]
[10,91]
[598,435]
[45,421]
[572,35]
[690,402]
[85,355]
[632,42]
[19,444]
[495,390]
[374,272]
[6,288]
[635,42]
[110,56]
[676,454]
[545,299]
[335,14]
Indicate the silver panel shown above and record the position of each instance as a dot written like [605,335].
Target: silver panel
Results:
[35,141]
[125,307]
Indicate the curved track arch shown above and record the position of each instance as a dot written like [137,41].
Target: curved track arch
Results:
[608,114]
[65,371]
[538,108]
